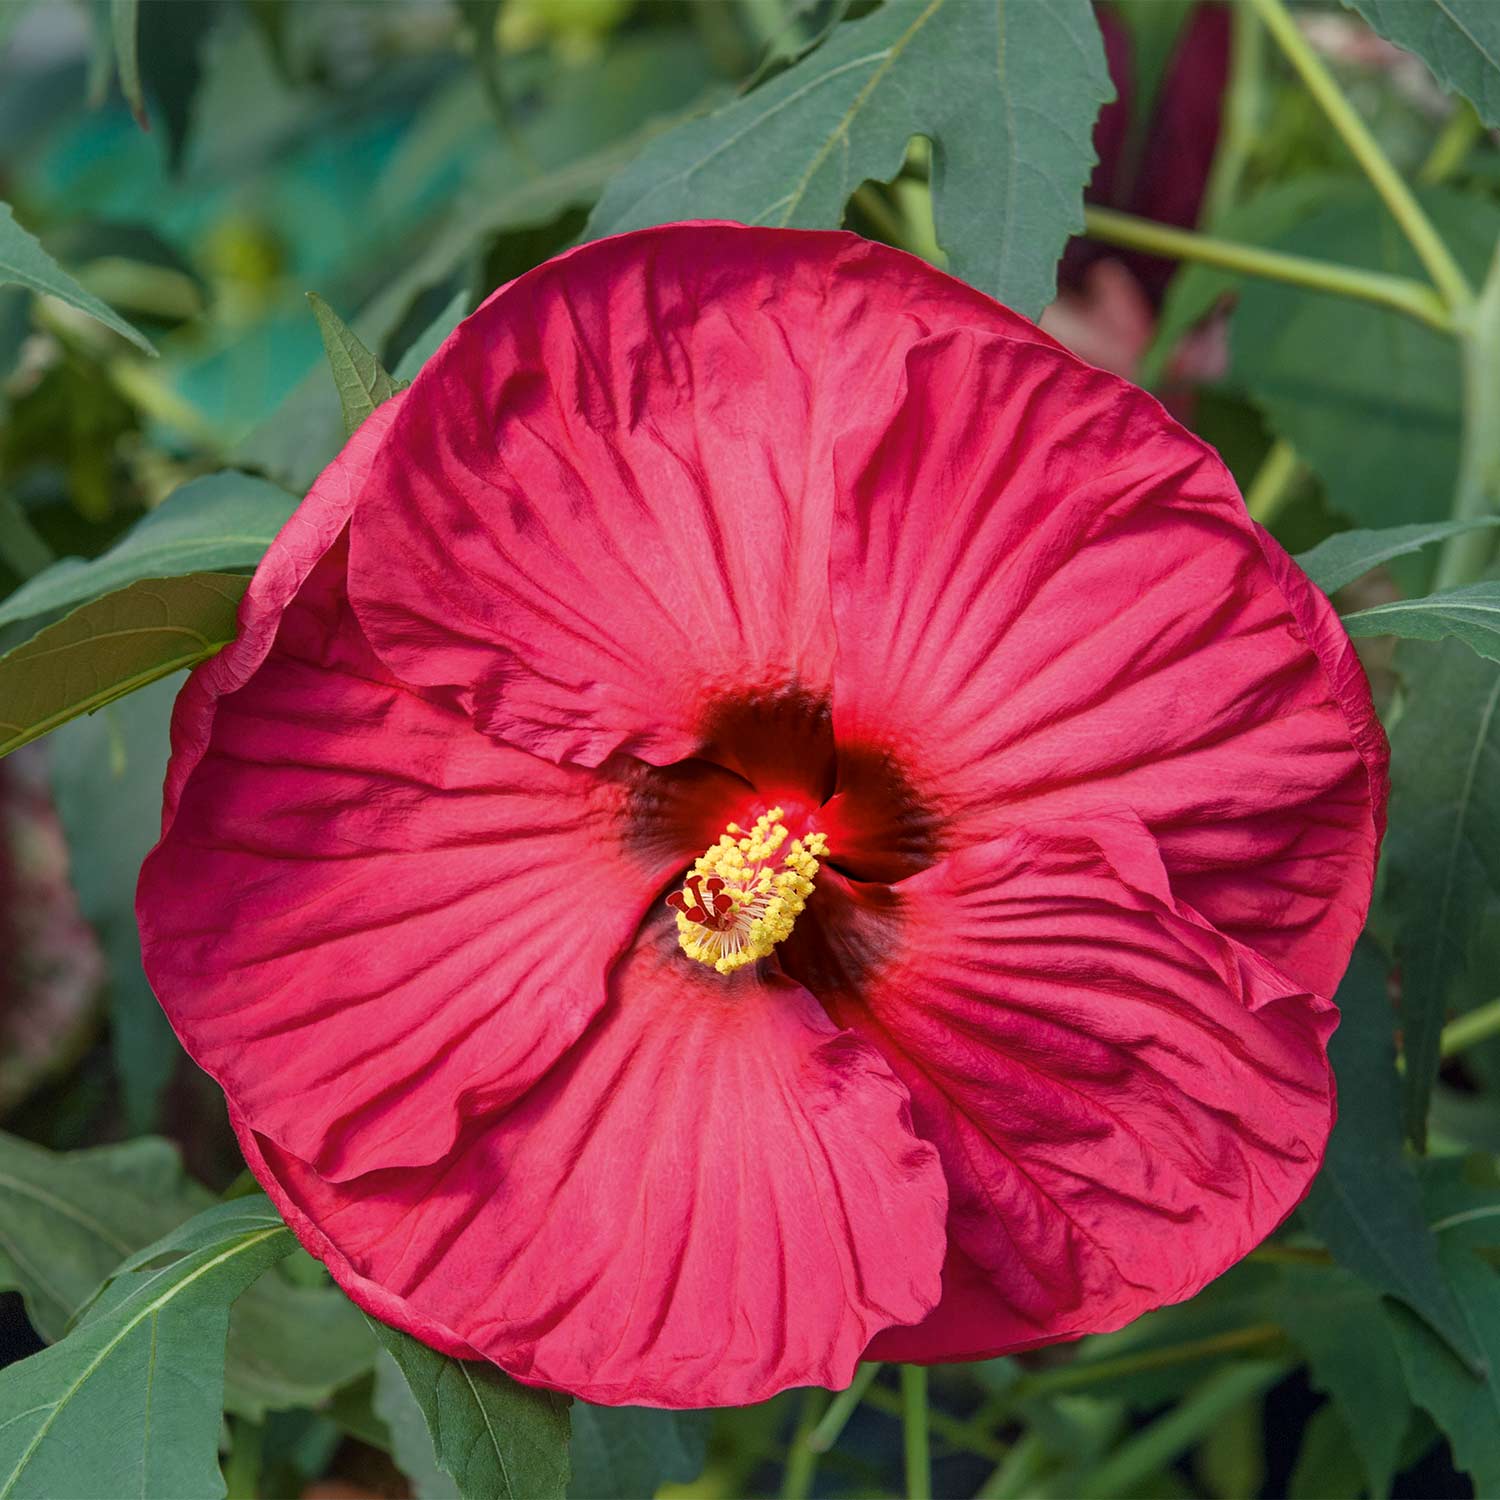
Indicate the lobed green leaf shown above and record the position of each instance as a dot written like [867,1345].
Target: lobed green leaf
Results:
[1442,854]
[1341,1326]
[1458,39]
[1012,136]
[1366,1203]
[1467,1222]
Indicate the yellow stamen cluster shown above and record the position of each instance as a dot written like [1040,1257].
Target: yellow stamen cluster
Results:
[744,894]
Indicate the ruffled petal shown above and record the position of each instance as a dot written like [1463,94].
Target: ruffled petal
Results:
[1125,1101]
[611,492]
[1049,600]
[369,921]
[715,1196]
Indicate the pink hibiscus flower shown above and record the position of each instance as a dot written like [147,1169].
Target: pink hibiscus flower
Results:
[1015,797]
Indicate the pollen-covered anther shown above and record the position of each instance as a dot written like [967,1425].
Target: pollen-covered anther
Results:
[744,893]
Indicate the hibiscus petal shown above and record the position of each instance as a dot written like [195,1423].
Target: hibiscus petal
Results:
[716,1196]
[1049,600]
[1125,1101]
[611,493]
[369,921]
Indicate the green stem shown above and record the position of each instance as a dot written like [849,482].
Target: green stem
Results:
[1451,149]
[242,1466]
[1273,482]
[1469,1030]
[1290,1255]
[1019,1470]
[802,1460]
[966,1435]
[1157,1445]
[841,1408]
[1082,1374]
[1464,557]
[915,1441]
[1447,275]
[1401,293]
[1241,117]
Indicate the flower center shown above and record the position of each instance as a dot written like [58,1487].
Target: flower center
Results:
[744,894]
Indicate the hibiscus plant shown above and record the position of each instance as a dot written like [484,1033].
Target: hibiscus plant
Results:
[750,747]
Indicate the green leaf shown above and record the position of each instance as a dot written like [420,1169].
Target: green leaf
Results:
[1442,854]
[1350,554]
[411,1443]
[1472,613]
[361,381]
[1367,397]
[1466,1409]
[1344,1332]
[111,647]
[426,343]
[130,1402]
[498,1439]
[594,120]
[1366,1203]
[1458,39]
[211,525]
[67,1219]
[172,38]
[23,262]
[293,1346]
[1326,1468]
[125,28]
[107,773]
[1006,91]
[21,549]
[622,1452]
[1195,290]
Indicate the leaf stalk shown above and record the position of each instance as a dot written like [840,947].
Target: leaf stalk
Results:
[915,1438]
[1447,275]
[1400,293]
[1465,557]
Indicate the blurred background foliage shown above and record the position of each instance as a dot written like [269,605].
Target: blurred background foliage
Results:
[401,159]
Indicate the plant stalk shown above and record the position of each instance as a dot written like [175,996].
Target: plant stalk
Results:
[802,1458]
[915,1440]
[1471,1029]
[967,1435]
[1451,149]
[1240,121]
[1465,557]
[1273,482]
[1154,1446]
[1083,1374]
[1401,293]
[828,1431]
[1447,275]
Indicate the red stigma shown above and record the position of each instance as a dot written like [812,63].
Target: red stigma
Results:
[712,909]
